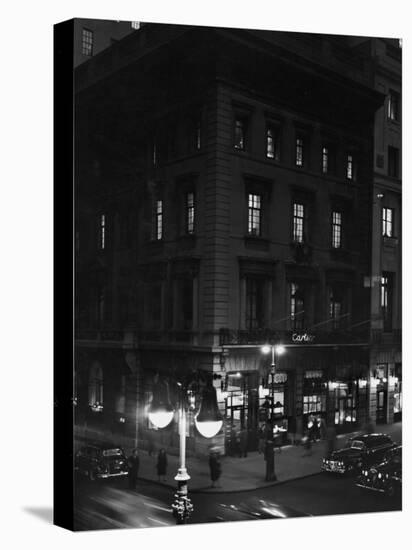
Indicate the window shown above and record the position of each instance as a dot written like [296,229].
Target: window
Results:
[87,42]
[95,388]
[198,135]
[386,291]
[298,222]
[299,151]
[387,222]
[393,105]
[102,231]
[336,229]
[272,143]
[325,158]
[135,25]
[157,234]
[350,168]
[254,303]
[335,312]
[296,306]
[393,162]
[190,213]
[254,214]
[240,134]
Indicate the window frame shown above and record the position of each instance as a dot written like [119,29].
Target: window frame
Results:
[87,42]
[337,229]
[158,220]
[190,212]
[300,142]
[254,303]
[393,106]
[241,124]
[274,130]
[298,222]
[386,299]
[297,305]
[388,224]
[253,210]
[393,161]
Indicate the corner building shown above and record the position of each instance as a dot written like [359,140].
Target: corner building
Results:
[224,201]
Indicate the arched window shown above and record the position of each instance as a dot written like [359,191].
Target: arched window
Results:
[96,387]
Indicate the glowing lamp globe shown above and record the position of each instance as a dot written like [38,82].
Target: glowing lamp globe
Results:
[266,349]
[160,411]
[208,420]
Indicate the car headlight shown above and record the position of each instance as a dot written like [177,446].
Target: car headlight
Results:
[379,476]
[365,473]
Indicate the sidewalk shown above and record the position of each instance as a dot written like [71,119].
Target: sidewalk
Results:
[243,474]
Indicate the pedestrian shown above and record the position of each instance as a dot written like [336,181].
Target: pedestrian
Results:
[269,457]
[331,439]
[215,468]
[323,428]
[161,465]
[133,463]
[243,443]
[262,438]
[307,443]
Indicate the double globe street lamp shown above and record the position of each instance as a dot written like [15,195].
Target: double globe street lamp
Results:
[208,421]
[275,350]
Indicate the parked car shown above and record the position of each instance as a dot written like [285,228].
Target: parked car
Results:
[385,477]
[360,452]
[101,460]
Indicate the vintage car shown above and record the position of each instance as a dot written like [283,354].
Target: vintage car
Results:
[360,452]
[101,460]
[253,508]
[385,477]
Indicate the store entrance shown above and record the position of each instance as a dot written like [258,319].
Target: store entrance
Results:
[381,404]
[241,413]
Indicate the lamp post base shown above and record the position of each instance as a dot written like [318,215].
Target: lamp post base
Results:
[182,506]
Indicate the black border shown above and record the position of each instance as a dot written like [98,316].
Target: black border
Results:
[63,355]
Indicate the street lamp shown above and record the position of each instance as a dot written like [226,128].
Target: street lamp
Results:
[269,447]
[208,422]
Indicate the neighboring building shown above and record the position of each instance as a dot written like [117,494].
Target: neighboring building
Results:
[225,192]
[386,279]
[91,36]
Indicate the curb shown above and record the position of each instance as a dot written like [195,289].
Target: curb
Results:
[208,491]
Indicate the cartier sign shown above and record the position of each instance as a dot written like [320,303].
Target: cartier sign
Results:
[302,338]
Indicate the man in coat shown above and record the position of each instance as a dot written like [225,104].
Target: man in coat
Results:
[133,463]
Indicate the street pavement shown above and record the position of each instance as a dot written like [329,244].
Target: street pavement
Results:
[248,473]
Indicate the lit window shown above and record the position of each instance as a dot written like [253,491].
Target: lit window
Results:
[87,42]
[272,145]
[102,233]
[393,105]
[386,292]
[190,213]
[299,151]
[325,154]
[296,307]
[240,133]
[387,222]
[298,222]
[349,167]
[254,214]
[336,229]
[135,25]
[158,220]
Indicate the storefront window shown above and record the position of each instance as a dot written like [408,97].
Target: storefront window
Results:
[345,404]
